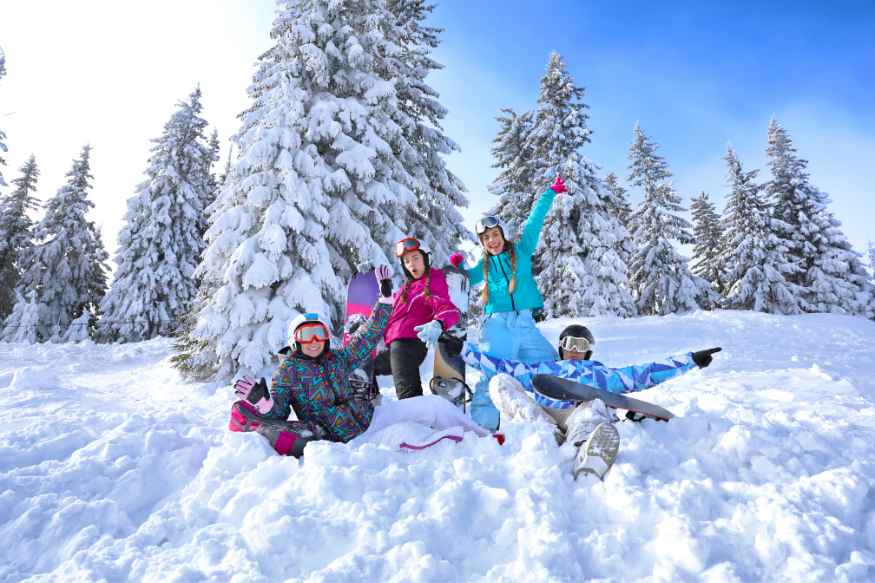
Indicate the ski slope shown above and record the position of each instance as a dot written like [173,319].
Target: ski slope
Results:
[112,469]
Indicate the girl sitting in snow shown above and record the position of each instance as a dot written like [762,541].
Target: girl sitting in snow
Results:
[422,310]
[510,294]
[586,424]
[313,380]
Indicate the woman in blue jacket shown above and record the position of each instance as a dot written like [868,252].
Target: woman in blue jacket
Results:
[510,295]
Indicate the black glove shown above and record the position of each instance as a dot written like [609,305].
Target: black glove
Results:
[258,392]
[703,358]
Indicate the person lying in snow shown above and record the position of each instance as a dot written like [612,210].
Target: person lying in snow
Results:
[421,311]
[510,294]
[313,380]
[585,425]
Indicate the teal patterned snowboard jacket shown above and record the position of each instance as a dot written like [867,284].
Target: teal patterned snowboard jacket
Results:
[318,389]
[594,374]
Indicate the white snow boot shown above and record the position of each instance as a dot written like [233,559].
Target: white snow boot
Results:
[597,456]
[584,419]
[512,400]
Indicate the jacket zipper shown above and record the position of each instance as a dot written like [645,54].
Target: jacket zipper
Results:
[504,273]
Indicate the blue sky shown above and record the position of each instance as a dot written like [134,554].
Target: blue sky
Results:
[697,75]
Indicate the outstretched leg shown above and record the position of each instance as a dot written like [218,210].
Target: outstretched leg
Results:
[514,402]
[286,437]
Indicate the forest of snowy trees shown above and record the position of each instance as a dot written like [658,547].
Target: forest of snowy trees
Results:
[341,153]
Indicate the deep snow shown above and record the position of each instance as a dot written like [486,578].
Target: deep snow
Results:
[113,469]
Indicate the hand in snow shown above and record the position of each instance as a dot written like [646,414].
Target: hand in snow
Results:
[558,185]
[703,358]
[255,393]
[384,275]
[457,259]
[429,333]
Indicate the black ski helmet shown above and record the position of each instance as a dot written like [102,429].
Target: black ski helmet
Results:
[576,331]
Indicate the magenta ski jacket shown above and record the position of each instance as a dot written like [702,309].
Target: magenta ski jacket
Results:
[419,308]
[318,389]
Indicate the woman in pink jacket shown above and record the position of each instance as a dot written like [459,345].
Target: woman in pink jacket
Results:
[421,311]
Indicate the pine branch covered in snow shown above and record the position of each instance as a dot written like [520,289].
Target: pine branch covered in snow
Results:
[23,323]
[512,155]
[16,232]
[3,147]
[751,256]
[67,268]
[660,277]
[339,157]
[707,235]
[162,240]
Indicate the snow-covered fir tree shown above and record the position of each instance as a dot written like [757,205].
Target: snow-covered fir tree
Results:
[408,62]
[161,242]
[333,168]
[707,236]
[751,257]
[579,265]
[660,277]
[67,268]
[3,148]
[22,324]
[16,232]
[513,158]
[819,257]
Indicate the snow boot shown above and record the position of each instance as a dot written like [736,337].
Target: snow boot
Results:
[282,435]
[597,456]
[584,419]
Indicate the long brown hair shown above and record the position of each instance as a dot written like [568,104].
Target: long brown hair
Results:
[508,246]
[406,288]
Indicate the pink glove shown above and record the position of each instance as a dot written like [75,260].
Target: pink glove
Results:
[558,185]
[256,393]
[457,259]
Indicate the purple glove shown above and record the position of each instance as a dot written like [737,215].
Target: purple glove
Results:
[457,259]
[255,393]
[558,185]
[384,275]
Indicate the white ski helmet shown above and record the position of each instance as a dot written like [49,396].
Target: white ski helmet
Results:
[490,222]
[306,318]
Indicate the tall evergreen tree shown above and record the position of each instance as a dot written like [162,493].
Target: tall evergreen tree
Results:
[819,257]
[751,257]
[161,243]
[707,236]
[22,324]
[67,268]
[619,199]
[333,168]
[512,156]
[579,265]
[16,232]
[660,278]
[2,134]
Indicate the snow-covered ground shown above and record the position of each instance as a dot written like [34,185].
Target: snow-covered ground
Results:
[112,469]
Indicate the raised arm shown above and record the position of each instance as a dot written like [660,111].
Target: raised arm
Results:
[368,336]
[531,232]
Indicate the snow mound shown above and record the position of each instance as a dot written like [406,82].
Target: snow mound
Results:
[112,468]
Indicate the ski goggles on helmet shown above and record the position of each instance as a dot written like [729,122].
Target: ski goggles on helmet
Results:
[575,344]
[489,222]
[311,332]
[407,244]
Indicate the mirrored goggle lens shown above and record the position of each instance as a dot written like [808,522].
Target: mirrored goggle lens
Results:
[489,222]
[311,333]
[403,245]
[575,344]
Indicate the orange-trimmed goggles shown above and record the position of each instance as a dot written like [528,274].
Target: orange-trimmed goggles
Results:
[406,244]
[311,332]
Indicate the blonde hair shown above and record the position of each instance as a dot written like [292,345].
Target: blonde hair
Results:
[511,287]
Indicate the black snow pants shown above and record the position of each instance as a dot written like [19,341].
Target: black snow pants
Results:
[402,361]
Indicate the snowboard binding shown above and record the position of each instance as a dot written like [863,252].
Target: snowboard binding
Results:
[455,391]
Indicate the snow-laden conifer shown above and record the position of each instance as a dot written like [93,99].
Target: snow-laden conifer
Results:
[23,322]
[512,156]
[818,256]
[161,242]
[751,257]
[579,264]
[336,160]
[707,237]
[16,232]
[659,275]
[67,268]
[3,147]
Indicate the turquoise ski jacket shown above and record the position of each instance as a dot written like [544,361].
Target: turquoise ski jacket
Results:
[526,295]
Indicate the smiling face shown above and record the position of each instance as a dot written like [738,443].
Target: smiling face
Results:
[313,349]
[414,263]
[574,355]
[492,240]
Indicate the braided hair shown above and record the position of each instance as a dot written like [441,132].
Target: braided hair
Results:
[409,279]
[511,251]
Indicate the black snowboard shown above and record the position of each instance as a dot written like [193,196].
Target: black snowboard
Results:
[565,390]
